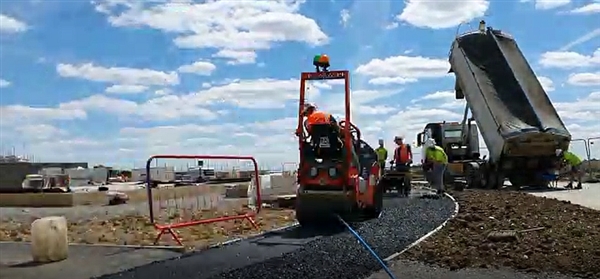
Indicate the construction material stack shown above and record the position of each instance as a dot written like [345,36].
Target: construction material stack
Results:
[517,121]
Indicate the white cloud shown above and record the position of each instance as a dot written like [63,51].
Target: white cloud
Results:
[11,25]
[344,17]
[442,14]
[439,95]
[40,131]
[15,115]
[162,92]
[569,59]
[583,39]
[585,109]
[232,25]
[117,75]
[591,8]
[257,93]
[202,68]
[584,79]
[403,69]
[167,107]
[392,25]
[441,99]
[4,83]
[126,89]
[237,56]
[550,4]
[546,83]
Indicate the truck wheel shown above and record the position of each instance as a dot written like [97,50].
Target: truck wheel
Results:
[473,176]
[495,180]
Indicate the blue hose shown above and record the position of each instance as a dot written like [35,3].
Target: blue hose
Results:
[364,243]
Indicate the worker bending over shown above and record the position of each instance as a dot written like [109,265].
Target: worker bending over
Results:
[436,160]
[382,155]
[574,162]
[317,117]
[314,117]
[402,154]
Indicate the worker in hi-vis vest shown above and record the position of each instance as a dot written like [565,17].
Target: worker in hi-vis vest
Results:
[313,116]
[574,163]
[382,155]
[436,160]
[402,154]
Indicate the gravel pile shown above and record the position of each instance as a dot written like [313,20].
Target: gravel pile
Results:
[569,241]
[330,256]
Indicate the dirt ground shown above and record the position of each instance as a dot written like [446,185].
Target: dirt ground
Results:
[134,229]
[569,241]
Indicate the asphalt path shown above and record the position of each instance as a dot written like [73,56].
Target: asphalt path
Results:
[330,252]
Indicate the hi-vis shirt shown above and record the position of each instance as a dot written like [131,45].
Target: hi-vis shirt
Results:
[382,154]
[436,154]
[318,117]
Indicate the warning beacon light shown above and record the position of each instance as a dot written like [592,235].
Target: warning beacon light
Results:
[321,61]
[482,26]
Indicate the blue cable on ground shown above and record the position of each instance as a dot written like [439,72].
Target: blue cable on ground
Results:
[364,243]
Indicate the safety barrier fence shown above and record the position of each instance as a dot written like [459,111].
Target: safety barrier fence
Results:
[592,153]
[172,208]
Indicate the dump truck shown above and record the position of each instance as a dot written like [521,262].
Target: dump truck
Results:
[516,119]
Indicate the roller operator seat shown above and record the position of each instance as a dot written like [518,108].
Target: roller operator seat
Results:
[325,142]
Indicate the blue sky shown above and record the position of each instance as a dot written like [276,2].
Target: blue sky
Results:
[115,81]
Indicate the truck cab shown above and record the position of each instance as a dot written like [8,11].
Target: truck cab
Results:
[449,136]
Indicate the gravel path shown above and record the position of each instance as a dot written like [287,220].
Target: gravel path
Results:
[303,254]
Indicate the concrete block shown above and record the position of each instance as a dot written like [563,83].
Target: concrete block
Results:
[49,239]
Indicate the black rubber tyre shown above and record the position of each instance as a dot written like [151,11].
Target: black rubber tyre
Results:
[375,210]
[495,180]
[472,177]
[303,216]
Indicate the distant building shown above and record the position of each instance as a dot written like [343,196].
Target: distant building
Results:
[163,174]
[13,159]
[12,173]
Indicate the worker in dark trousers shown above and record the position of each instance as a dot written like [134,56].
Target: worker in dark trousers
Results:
[436,160]
[382,155]
[402,155]
[574,163]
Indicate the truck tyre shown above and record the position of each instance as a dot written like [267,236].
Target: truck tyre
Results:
[473,176]
[495,180]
